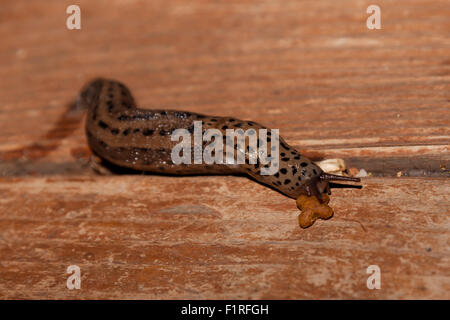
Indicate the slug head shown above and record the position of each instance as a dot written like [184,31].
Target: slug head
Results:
[313,202]
[319,185]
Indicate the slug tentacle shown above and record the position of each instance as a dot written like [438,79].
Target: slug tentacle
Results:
[333,177]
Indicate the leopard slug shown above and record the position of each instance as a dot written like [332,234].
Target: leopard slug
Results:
[127,136]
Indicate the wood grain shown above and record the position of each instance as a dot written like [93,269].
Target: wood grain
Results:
[170,242]
[377,98]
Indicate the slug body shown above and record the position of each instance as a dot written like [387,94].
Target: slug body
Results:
[125,135]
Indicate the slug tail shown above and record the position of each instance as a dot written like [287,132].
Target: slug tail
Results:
[89,94]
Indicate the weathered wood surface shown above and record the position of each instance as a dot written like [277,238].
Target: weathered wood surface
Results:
[159,237]
[379,99]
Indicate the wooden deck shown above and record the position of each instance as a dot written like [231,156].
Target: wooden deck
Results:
[379,99]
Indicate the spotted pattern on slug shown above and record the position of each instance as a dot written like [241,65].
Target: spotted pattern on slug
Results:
[125,135]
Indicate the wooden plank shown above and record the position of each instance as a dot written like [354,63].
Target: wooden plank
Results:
[159,237]
[332,90]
